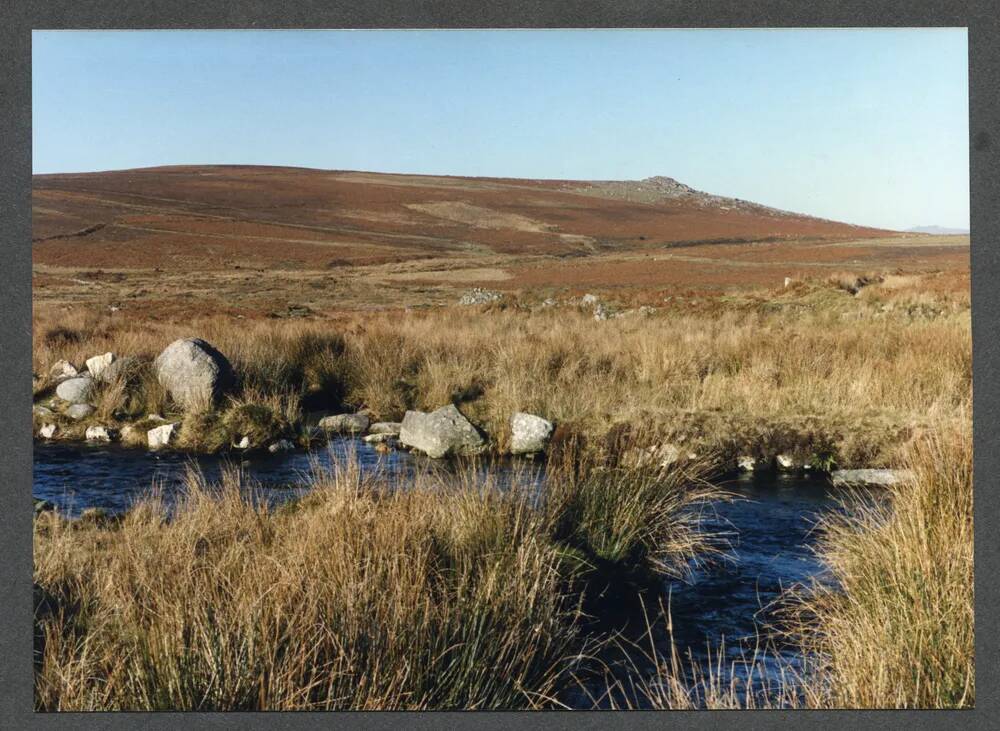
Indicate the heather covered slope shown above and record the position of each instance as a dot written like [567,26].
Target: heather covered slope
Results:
[220,216]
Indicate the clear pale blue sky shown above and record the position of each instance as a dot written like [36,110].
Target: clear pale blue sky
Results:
[864,126]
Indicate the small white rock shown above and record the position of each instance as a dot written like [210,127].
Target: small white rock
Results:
[244,443]
[63,369]
[784,461]
[48,431]
[746,463]
[98,434]
[282,445]
[98,363]
[160,436]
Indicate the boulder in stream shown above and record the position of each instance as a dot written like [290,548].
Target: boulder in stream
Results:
[529,434]
[440,433]
[345,423]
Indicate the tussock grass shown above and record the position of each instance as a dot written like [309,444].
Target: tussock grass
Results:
[825,372]
[897,629]
[362,595]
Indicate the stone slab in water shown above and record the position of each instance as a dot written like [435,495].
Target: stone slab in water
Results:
[844,478]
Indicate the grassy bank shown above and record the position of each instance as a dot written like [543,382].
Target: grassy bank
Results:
[357,596]
[820,369]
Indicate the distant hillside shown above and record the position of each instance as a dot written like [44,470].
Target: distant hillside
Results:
[195,217]
[937,230]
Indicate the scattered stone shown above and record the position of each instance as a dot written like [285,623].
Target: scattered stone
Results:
[846,478]
[439,433]
[79,411]
[160,436]
[42,412]
[76,390]
[48,431]
[380,439]
[589,299]
[282,445]
[601,312]
[345,423]
[116,368]
[244,443]
[784,462]
[63,369]
[549,302]
[385,427]
[788,281]
[98,434]
[479,296]
[746,463]
[529,434]
[193,372]
[98,363]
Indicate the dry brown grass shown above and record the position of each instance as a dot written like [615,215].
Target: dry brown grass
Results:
[362,595]
[858,375]
[897,630]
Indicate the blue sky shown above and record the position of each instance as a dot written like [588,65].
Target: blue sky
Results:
[864,126]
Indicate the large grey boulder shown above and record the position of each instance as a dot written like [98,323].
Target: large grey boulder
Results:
[529,434]
[850,478]
[76,390]
[193,372]
[440,433]
[345,423]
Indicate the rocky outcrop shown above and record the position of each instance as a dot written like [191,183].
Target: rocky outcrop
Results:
[345,423]
[440,433]
[529,434]
[479,296]
[193,372]
[76,390]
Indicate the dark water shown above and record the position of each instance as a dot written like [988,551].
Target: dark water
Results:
[769,528]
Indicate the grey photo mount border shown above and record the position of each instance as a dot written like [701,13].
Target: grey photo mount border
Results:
[19,17]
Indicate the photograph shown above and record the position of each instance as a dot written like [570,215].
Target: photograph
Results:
[501,369]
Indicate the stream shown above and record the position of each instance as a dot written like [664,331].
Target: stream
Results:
[769,526]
